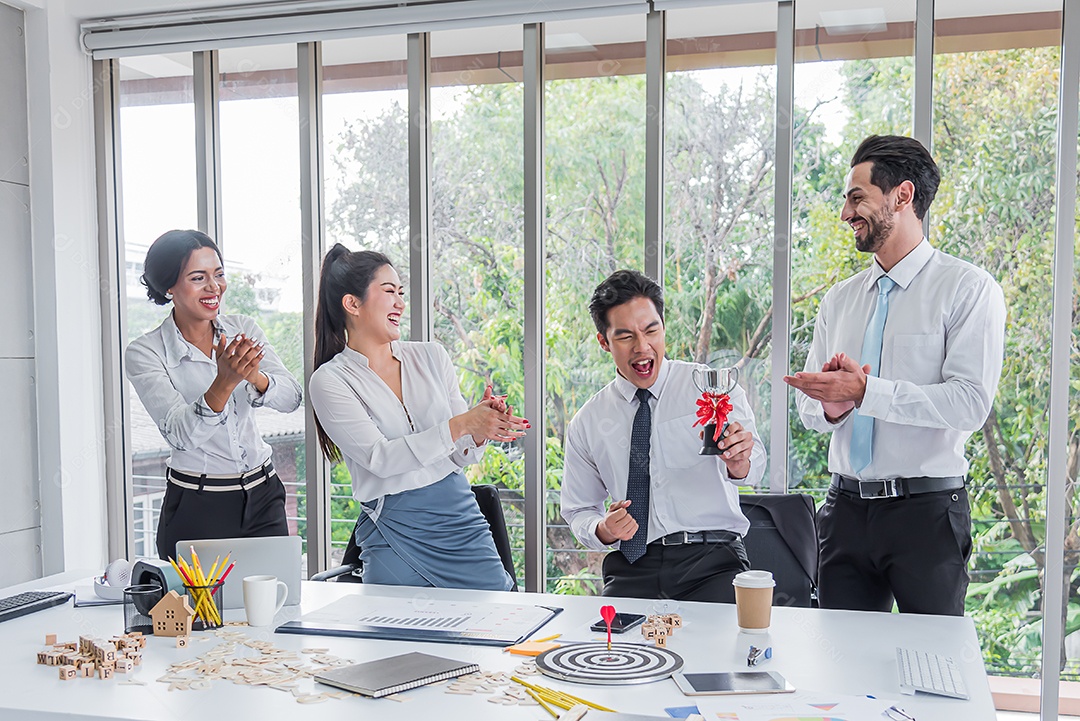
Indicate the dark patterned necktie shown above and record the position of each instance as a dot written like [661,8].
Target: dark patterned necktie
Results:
[637,481]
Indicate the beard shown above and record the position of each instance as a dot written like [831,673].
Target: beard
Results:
[878,228]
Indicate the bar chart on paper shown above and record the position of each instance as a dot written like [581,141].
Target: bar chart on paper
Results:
[424,619]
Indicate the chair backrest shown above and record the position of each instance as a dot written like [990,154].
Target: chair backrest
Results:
[783,539]
[487,498]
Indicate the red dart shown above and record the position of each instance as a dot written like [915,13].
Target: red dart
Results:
[608,614]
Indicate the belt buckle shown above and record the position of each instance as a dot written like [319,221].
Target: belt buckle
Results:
[883,488]
[685,539]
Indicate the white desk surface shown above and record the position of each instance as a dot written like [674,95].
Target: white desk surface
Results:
[844,652]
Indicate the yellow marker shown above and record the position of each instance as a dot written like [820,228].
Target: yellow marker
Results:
[545,638]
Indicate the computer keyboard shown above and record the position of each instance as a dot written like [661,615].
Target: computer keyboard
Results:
[929,673]
[30,601]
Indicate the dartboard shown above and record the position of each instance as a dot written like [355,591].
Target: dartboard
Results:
[623,664]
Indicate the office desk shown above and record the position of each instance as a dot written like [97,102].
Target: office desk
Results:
[835,651]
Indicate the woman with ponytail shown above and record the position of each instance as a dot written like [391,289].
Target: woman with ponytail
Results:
[393,411]
[201,375]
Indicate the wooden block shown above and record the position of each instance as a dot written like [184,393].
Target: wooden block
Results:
[676,620]
[52,658]
[661,641]
[105,672]
[50,639]
[87,670]
[648,632]
[182,641]
[124,665]
[67,672]
[41,657]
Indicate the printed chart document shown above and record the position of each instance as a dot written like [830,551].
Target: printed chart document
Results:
[424,619]
[392,675]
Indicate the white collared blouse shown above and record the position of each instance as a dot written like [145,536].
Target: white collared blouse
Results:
[389,445]
[171,375]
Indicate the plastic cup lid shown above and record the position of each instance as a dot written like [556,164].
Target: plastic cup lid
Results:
[754,579]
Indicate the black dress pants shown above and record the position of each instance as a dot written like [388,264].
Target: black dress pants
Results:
[914,550]
[687,572]
[189,514]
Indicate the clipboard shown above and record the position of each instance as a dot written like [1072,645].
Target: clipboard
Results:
[424,619]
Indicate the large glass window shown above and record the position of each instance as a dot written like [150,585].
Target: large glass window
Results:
[595,165]
[477,225]
[365,142]
[854,76]
[157,150]
[260,197]
[718,191]
[995,114]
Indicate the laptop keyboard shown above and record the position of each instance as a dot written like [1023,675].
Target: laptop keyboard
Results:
[929,673]
[30,601]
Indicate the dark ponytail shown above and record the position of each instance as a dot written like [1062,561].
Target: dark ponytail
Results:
[344,272]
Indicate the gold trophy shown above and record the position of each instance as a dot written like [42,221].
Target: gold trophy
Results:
[714,405]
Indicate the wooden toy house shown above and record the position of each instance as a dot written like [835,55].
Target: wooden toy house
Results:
[172,615]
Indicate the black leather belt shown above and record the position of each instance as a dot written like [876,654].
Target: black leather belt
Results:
[896,487]
[682,538]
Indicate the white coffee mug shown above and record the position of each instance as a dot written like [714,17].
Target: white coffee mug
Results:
[260,603]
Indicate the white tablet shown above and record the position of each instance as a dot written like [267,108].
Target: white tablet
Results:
[715,684]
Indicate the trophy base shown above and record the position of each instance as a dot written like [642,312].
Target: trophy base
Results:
[709,446]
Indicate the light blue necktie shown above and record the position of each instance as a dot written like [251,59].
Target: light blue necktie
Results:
[862,430]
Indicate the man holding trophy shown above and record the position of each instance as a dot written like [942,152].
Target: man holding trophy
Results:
[673,522]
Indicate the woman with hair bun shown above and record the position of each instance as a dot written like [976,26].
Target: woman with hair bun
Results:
[201,375]
[393,411]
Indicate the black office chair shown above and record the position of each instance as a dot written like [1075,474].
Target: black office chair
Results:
[783,539]
[487,498]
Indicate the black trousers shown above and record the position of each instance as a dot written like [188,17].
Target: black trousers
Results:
[189,514]
[689,572]
[914,550]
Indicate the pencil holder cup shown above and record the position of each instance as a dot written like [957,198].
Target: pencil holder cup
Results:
[138,601]
[206,602]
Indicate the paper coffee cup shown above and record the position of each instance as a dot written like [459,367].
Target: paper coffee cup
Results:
[753,600]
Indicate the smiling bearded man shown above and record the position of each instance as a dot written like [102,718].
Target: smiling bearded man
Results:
[903,368]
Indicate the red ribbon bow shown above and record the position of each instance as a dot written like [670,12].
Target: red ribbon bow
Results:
[713,408]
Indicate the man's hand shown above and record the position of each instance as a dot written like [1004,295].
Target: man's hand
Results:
[618,525]
[735,447]
[839,386]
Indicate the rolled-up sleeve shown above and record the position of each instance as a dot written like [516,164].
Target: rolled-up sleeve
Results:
[741,412]
[583,491]
[283,393]
[466,451]
[183,425]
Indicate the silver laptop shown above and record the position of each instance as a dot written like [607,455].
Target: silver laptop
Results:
[270,555]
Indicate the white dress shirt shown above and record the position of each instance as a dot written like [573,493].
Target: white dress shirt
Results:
[941,360]
[390,446]
[171,375]
[687,491]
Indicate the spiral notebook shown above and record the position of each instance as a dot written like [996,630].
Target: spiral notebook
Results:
[390,675]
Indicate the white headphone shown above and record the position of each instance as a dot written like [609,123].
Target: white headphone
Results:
[117,577]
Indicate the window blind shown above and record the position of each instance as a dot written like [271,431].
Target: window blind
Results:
[287,22]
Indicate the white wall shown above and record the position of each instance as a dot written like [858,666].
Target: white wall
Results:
[20,519]
[66,305]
